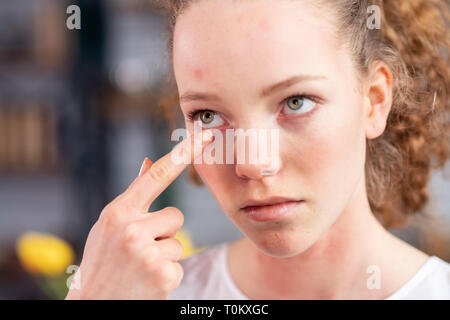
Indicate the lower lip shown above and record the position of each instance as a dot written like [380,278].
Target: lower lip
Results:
[271,212]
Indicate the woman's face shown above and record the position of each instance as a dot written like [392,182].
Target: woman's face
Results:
[236,50]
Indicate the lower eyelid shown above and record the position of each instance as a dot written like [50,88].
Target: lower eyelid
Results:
[300,115]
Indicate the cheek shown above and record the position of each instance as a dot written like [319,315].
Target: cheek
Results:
[208,173]
[329,155]
[217,178]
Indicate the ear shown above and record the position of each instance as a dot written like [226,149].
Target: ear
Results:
[378,99]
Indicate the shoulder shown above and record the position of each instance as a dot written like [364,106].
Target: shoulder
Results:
[431,282]
[203,274]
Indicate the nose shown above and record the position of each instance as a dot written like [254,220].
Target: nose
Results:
[255,171]
[258,157]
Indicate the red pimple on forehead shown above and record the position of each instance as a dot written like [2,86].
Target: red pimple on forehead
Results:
[198,74]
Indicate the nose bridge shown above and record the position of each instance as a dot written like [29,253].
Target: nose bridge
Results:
[256,151]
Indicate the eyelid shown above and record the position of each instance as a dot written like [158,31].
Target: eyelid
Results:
[303,95]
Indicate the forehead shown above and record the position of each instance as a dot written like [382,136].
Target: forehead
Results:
[252,42]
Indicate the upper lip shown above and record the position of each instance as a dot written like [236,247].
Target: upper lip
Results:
[266,202]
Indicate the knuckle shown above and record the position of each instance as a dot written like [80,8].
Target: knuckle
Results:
[152,252]
[150,256]
[131,233]
[165,272]
[178,216]
[110,215]
[168,276]
[110,207]
[159,171]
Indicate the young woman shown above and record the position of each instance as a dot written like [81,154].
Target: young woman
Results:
[360,111]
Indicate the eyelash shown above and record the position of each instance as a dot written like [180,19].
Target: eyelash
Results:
[192,114]
[304,96]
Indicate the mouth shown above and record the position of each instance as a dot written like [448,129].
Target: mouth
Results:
[270,209]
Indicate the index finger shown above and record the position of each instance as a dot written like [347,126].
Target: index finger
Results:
[166,169]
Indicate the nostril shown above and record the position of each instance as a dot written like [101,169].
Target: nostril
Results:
[255,172]
[243,177]
[267,172]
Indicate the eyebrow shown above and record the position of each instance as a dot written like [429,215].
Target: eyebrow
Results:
[207,97]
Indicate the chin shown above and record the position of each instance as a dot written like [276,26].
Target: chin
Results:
[281,245]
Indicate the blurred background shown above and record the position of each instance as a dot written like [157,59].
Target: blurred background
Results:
[78,114]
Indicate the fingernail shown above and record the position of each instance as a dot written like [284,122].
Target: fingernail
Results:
[207,135]
[142,167]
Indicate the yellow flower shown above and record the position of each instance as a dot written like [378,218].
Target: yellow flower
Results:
[189,249]
[41,253]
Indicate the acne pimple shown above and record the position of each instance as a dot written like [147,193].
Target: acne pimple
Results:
[198,74]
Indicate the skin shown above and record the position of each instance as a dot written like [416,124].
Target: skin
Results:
[323,249]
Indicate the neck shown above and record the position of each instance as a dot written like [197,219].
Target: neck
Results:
[335,266]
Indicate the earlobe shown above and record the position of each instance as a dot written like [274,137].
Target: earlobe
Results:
[378,99]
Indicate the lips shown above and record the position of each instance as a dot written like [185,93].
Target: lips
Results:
[270,209]
[266,202]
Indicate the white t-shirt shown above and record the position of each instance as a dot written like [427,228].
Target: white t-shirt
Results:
[206,276]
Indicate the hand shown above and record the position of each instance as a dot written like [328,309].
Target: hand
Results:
[130,254]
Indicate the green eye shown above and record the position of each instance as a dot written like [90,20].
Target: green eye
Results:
[296,104]
[206,116]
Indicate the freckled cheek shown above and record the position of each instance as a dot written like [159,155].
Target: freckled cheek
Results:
[328,157]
